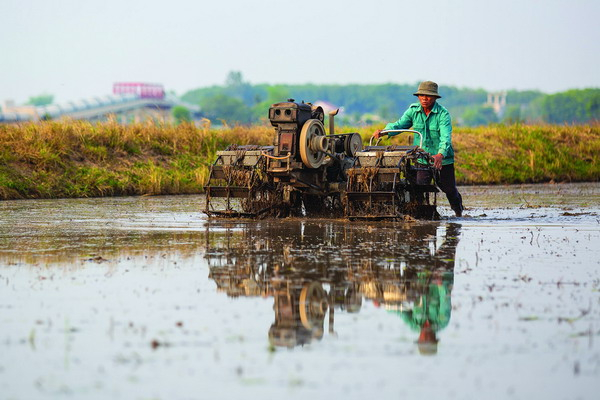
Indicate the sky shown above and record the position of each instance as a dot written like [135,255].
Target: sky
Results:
[76,49]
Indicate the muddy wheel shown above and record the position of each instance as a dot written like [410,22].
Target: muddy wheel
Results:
[333,204]
[421,211]
[313,204]
[293,208]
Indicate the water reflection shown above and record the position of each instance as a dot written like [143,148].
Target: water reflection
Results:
[69,247]
[314,269]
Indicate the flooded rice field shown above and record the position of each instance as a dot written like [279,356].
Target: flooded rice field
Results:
[145,298]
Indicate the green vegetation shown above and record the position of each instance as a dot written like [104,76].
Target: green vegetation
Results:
[225,108]
[181,114]
[80,159]
[573,105]
[41,100]
[241,102]
[479,115]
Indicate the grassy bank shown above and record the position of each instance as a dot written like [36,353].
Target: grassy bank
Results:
[80,159]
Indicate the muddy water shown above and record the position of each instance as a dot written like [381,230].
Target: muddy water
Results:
[144,298]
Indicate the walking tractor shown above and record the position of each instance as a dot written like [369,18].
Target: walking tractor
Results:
[307,172]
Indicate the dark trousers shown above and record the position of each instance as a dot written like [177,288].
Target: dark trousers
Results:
[446,181]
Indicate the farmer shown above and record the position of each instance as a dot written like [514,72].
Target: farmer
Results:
[433,122]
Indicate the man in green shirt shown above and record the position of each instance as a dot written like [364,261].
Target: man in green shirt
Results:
[434,123]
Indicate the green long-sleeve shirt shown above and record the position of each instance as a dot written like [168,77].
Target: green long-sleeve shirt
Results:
[436,129]
[434,306]
[433,302]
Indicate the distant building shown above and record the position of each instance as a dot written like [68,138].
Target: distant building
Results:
[497,100]
[141,90]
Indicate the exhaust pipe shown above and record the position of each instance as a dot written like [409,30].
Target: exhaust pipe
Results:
[331,123]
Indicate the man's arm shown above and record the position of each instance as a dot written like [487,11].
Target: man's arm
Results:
[445,124]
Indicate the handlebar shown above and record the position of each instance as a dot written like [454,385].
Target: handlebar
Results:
[387,131]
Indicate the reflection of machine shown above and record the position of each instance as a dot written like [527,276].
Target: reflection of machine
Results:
[307,171]
[299,315]
[314,269]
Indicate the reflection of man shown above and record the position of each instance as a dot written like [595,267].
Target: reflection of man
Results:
[434,123]
[431,312]
[428,290]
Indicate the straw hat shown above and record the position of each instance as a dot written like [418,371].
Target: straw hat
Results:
[429,88]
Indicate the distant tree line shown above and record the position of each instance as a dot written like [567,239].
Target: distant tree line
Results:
[238,101]
[571,106]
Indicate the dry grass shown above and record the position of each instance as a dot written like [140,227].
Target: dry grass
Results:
[79,159]
[521,153]
[528,154]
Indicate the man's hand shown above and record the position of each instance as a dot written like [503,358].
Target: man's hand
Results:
[377,134]
[437,161]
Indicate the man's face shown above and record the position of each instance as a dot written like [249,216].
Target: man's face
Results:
[427,101]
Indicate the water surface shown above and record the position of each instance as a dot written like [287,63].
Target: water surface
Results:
[145,298]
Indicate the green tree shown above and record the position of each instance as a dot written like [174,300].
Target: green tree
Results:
[234,79]
[571,106]
[181,114]
[275,94]
[388,112]
[226,108]
[479,115]
[235,86]
[512,114]
[41,100]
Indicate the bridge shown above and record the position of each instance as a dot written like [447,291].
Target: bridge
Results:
[130,102]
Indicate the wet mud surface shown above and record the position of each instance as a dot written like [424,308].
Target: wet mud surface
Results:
[145,298]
